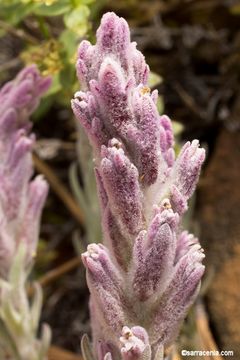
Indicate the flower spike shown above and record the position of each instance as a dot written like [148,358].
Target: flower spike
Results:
[147,274]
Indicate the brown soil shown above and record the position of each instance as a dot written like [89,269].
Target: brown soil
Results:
[219,214]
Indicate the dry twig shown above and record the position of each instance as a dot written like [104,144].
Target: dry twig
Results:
[54,274]
[189,101]
[59,271]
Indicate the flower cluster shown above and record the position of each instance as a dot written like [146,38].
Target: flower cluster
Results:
[147,274]
[21,199]
[21,203]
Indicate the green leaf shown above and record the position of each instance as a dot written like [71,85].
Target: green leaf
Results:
[69,39]
[177,128]
[154,79]
[45,341]
[17,275]
[86,348]
[8,341]
[15,13]
[160,105]
[77,20]
[43,108]
[67,77]
[61,7]
[36,307]
[76,188]
[83,2]
[55,87]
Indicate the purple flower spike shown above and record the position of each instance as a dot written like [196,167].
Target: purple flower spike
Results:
[118,243]
[149,273]
[154,255]
[21,200]
[23,93]
[113,40]
[186,174]
[167,140]
[178,297]
[120,179]
[118,103]
[38,190]
[184,243]
[105,284]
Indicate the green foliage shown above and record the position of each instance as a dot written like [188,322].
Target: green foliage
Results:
[154,79]
[86,196]
[16,10]
[76,20]
[56,8]
[58,26]
[86,348]
[19,318]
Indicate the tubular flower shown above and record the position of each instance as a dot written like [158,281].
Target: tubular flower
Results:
[21,199]
[147,274]
[21,203]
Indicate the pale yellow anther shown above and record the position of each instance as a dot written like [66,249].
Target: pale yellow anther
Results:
[127,334]
[145,90]
[166,204]
[117,144]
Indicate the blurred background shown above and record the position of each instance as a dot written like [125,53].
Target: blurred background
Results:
[193,49]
